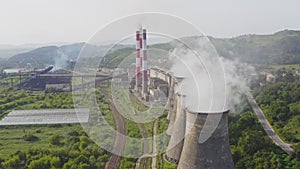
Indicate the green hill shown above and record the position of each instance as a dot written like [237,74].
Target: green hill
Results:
[275,49]
[279,48]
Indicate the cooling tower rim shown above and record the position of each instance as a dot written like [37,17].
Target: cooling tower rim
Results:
[225,111]
[179,93]
[179,78]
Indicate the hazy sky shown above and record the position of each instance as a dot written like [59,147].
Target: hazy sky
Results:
[44,21]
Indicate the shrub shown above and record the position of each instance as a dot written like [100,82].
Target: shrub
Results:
[56,139]
[30,137]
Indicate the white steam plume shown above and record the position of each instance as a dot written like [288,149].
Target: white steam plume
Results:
[221,82]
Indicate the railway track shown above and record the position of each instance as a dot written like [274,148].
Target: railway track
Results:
[119,145]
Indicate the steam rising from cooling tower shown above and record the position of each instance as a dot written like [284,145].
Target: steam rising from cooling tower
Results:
[218,82]
[194,64]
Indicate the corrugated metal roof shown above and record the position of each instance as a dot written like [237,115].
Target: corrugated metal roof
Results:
[46,116]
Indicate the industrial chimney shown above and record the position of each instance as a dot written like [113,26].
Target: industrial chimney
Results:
[144,66]
[138,61]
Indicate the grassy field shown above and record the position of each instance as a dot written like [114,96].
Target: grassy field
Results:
[11,137]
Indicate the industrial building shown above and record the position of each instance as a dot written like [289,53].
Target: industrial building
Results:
[185,126]
[46,116]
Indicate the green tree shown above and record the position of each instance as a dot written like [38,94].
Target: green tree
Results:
[11,163]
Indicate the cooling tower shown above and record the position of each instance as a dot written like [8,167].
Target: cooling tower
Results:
[172,107]
[214,153]
[178,131]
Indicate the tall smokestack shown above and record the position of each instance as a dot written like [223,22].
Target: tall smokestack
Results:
[144,65]
[138,60]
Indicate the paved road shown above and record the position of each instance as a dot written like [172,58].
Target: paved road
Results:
[267,127]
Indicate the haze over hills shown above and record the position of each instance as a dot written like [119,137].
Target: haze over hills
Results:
[279,48]
[51,55]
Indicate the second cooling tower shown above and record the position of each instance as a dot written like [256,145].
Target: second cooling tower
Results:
[214,153]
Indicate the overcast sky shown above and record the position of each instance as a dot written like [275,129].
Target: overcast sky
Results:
[44,21]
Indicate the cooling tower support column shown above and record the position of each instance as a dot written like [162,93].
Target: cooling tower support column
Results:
[214,153]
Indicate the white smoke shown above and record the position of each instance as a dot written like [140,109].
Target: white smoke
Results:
[211,83]
[238,78]
[61,60]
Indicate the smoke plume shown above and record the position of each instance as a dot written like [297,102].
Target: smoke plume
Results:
[211,83]
[61,60]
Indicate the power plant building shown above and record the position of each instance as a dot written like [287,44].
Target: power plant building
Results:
[185,126]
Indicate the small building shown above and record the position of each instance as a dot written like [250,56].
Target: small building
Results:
[57,86]
[13,70]
[270,78]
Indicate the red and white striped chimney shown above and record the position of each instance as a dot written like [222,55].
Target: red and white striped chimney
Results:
[138,60]
[144,64]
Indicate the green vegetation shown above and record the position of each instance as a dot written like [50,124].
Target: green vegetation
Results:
[280,103]
[115,57]
[279,48]
[128,162]
[163,164]
[252,148]
[12,98]
[58,146]
[67,146]
[146,163]
[47,146]
[30,137]
[162,123]
[276,68]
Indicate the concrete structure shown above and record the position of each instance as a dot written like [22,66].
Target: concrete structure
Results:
[270,78]
[145,91]
[13,71]
[46,116]
[178,133]
[138,61]
[141,67]
[40,81]
[57,86]
[213,153]
[184,129]
[185,126]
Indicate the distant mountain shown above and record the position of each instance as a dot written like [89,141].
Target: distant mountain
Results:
[52,55]
[9,52]
[57,55]
[279,48]
[35,57]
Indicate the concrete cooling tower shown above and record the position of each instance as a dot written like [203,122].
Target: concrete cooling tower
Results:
[178,131]
[214,153]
